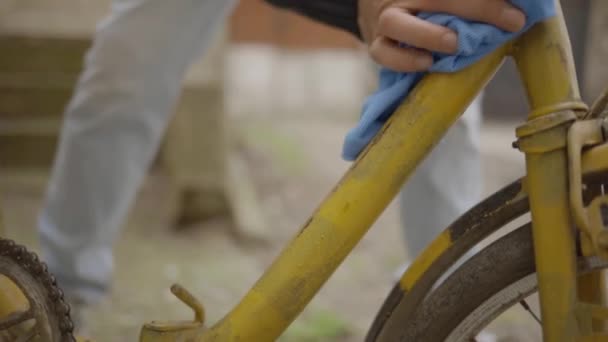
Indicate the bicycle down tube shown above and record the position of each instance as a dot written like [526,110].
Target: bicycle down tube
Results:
[349,211]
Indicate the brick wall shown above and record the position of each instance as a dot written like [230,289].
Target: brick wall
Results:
[255,21]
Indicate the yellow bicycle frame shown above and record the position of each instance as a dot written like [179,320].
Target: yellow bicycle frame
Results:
[544,59]
[545,62]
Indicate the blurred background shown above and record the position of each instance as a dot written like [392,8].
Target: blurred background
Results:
[253,147]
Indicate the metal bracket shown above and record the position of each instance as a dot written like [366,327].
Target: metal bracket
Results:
[177,331]
[592,221]
[563,129]
[546,133]
[586,313]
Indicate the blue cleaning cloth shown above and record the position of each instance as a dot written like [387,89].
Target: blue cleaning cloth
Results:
[475,40]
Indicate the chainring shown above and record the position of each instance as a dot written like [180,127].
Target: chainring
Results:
[48,316]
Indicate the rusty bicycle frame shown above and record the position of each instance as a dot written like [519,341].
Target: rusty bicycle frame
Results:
[562,140]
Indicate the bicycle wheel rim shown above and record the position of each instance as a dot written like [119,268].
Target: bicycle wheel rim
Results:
[493,307]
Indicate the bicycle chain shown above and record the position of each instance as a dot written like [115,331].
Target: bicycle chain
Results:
[31,264]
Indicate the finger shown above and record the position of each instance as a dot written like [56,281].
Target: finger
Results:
[401,26]
[495,12]
[387,53]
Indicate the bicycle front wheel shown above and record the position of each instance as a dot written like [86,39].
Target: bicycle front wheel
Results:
[475,294]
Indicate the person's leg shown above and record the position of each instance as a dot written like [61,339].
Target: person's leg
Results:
[112,129]
[445,185]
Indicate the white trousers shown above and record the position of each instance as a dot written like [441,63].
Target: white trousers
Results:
[113,127]
[445,185]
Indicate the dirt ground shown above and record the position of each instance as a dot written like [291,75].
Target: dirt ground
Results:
[292,172]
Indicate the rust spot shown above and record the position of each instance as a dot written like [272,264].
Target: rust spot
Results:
[563,56]
[306,225]
[493,204]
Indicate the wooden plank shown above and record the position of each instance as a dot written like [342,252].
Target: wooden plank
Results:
[23,53]
[194,149]
[247,213]
[194,155]
[53,18]
[33,102]
[29,127]
[18,79]
[27,151]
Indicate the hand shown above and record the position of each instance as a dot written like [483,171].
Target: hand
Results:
[385,23]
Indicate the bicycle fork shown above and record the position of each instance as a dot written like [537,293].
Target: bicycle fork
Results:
[572,304]
[553,139]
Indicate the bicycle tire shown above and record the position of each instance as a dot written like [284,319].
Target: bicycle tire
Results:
[476,293]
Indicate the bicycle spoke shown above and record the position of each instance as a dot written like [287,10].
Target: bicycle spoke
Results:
[527,307]
[16,318]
